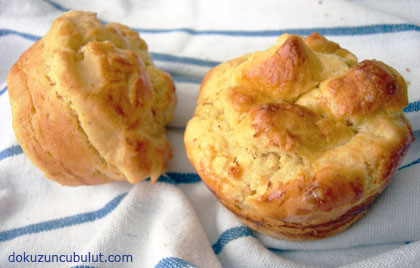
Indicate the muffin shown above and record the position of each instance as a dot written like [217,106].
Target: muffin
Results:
[89,106]
[298,140]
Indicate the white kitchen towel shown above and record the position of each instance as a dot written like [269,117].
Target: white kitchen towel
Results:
[177,222]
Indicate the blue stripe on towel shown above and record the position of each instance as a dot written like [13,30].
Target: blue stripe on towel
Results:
[174,178]
[57,6]
[62,222]
[186,79]
[412,107]
[174,262]
[11,151]
[410,164]
[230,235]
[185,60]
[179,178]
[226,237]
[3,91]
[32,37]
[83,266]
[336,31]
[184,177]
[277,250]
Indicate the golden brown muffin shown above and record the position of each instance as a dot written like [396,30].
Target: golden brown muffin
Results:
[88,104]
[299,139]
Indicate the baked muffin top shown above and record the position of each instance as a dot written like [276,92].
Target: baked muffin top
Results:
[88,104]
[300,133]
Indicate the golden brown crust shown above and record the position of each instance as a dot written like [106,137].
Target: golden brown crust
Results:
[367,87]
[298,140]
[306,233]
[284,71]
[88,105]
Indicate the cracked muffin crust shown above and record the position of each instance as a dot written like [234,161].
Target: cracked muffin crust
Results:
[299,139]
[89,106]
